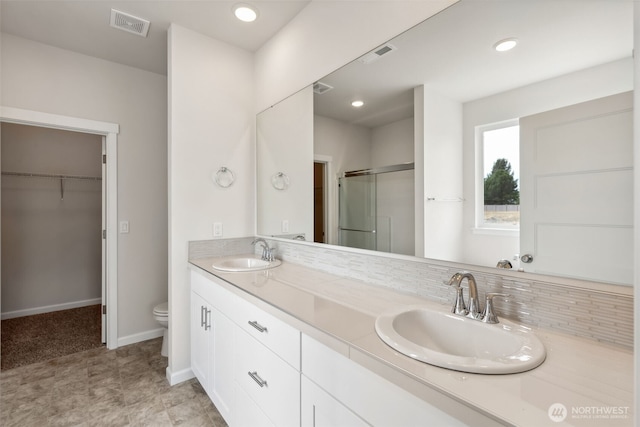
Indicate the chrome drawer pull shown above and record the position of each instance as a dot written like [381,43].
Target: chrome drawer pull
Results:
[207,318]
[203,320]
[254,375]
[258,326]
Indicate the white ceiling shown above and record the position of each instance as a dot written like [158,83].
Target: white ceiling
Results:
[83,25]
[452,53]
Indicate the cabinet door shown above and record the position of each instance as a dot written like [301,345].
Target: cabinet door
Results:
[319,409]
[221,363]
[376,400]
[199,340]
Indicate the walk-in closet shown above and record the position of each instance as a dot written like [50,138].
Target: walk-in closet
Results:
[52,257]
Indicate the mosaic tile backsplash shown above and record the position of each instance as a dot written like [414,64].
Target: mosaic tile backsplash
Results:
[593,314]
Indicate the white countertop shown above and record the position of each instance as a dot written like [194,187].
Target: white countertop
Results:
[593,381]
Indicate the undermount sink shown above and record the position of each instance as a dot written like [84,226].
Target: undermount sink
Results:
[459,343]
[240,263]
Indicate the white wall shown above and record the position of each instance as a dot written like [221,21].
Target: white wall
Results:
[326,35]
[596,82]
[390,145]
[348,145]
[442,157]
[211,124]
[51,244]
[284,143]
[42,78]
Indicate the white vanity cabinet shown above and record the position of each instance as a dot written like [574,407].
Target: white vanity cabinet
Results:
[320,409]
[247,360]
[267,355]
[259,370]
[250,414]
[211,345]
[268,380]
[338,391]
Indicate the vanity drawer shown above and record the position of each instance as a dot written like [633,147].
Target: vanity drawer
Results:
[217,296]
[268,380]
[281,338]
[249,415]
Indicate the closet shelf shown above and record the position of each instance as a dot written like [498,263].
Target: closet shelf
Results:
[60,177]
[44,175]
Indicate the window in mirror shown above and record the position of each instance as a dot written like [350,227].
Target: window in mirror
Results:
[499,204]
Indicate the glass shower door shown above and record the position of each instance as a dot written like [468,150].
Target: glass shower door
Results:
[357,212]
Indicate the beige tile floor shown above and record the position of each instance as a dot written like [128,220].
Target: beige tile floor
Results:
[122,387]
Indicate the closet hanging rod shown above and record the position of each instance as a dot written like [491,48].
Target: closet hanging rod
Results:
[43,175]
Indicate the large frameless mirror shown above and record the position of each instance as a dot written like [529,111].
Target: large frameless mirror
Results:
[464,153]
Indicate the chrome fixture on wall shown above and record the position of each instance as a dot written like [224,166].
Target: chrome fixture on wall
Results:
[224,177]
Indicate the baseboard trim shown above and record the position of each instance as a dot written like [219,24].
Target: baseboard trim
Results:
[139,337]
[180,376]
[49,308]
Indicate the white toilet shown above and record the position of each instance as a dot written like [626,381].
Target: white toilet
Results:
[161,314]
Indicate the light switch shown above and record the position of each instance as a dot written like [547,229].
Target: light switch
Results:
[124,227]
[217,229]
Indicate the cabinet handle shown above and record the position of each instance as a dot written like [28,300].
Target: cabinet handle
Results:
[314,416]
[258,326]
[254,376]
[207,318]
[202,316]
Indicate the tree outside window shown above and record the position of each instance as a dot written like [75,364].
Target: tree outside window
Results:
[500,187]
[500,146]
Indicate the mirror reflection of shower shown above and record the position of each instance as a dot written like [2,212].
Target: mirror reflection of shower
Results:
[376,209]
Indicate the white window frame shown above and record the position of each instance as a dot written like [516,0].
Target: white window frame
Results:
[480,226]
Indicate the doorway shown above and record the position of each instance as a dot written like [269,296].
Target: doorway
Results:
[52,224]
[108,132]
[319,202]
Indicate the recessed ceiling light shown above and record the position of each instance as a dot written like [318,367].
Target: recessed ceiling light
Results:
[357,104]
[505,45]
[245,13]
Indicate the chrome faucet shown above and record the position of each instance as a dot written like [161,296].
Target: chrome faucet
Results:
[488,315]
[504,263]
[267,252]
[473,310]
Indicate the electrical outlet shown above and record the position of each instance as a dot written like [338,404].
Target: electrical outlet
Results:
[217,229]
[285,225]
[124,227]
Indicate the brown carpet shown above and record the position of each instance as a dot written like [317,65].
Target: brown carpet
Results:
[31,339]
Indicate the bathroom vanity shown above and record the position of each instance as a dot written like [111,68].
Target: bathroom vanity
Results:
[297,346]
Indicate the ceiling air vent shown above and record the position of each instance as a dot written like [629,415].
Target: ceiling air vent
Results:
[320,88]
[129,23]
[378,53]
